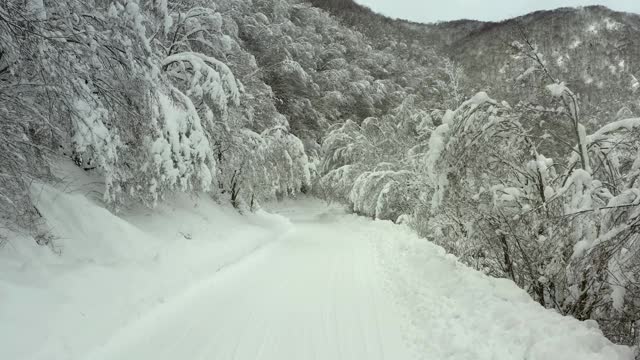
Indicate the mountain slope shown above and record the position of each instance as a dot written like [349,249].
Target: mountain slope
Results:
[593,49]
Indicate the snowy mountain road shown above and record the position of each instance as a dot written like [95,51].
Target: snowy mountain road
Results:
[342,287]
[316,294]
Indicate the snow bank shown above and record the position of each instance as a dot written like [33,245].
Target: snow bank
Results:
[458,313]
[112,269]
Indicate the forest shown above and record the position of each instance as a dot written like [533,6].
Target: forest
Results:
[515,145]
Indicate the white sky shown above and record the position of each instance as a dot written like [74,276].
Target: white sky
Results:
[442,10]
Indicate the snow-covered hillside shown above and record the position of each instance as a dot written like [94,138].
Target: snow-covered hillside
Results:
[196,280]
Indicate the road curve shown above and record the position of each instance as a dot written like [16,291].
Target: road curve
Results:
[318,293]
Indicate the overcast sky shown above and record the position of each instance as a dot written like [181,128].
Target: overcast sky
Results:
[441,10]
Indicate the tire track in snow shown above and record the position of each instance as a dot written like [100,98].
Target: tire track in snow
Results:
[358,264]
[371,290]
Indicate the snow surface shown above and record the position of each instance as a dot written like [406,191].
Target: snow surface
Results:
[557,90]
[112,269]
[458,313]
[309,282]
[627,124]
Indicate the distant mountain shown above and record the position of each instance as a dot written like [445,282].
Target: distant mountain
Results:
[595,50]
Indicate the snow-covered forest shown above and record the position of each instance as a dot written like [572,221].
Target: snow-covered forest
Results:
[518,154]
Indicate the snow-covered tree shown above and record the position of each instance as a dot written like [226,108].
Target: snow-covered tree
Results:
[373,165]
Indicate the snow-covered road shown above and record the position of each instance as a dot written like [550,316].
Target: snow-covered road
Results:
[199,281]
[318,293]
[192,279]
[342,287]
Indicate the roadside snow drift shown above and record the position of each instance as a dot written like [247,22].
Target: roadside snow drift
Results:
[459,313]
[112,269]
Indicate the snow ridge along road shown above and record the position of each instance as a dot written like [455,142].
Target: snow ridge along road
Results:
[341,287]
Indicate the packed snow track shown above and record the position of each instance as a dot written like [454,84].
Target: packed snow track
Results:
[317,293]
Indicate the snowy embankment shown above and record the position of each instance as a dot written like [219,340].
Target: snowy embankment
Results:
[327,285]
[112,269]
[459,313]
